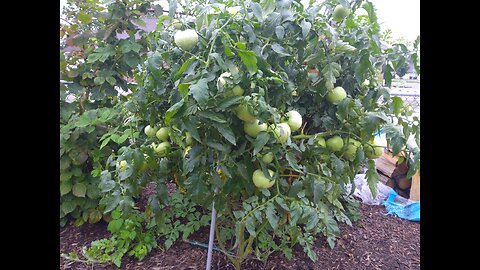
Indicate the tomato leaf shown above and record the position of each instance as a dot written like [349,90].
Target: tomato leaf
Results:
[372,121]
[415,165]
[296,212]
[318,189]
[268,6]
[306,26]
[372,178]
[170,113]
[216,117]
[191,127]
[199,92]
[229,101]
[226,132]
[184,67]
[192,159]
[330,72]
[397,103]
[260,141]
[249,59]
[388,74]
[280,32]
[84,17]
[250,225]
[279,49]
[271,216]
[172,8]
[115,225]
[292,161]
[257,11]
[111,202]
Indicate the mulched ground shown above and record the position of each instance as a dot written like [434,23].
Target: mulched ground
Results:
[377,241]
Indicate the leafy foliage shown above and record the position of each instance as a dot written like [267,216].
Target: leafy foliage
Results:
[92,125]
[136,233]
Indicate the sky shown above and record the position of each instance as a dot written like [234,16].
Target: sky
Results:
[401,16]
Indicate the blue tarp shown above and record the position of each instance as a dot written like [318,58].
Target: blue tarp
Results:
[409,211]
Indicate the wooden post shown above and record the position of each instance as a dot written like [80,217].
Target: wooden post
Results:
[415,189]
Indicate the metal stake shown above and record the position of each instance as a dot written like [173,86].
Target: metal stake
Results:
[212,233]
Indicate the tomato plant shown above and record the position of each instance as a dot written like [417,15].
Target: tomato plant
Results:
[268,48]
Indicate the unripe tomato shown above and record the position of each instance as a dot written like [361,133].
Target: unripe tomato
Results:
[321,142]
[242,112]
[150,131]
[375,151]
[340,12]
[163,149]
[163,134]
[335,143]
[336,94]
[186,39]
[351,149]
[261,181]
[294,120]
[267,158]
[252,129]
[282,132]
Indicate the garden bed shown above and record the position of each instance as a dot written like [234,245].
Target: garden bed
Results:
[377,241]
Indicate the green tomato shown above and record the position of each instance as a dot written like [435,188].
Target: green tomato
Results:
[282,131]
[267,158]
[122,165]
[294,120]
[163,149]
[261,181]
[186,39]
[238,90]
[150,131]
[233,10]
[235,91]
[321,142]
[242,112]
[163,134]
[351,149]
[340,12]
[373,152]
[336,94]
[252,129]
[335,143]
[176,24]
